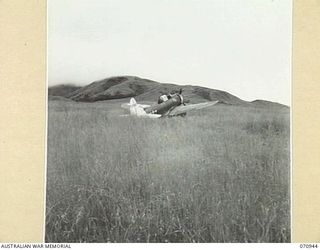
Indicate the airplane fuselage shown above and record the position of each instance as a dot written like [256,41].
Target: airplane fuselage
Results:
[164,107]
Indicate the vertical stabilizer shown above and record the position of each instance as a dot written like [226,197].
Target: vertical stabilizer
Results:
[133,101]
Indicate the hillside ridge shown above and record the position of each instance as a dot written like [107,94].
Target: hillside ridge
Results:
[148,90]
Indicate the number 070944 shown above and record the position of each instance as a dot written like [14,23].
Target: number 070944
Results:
[308,245]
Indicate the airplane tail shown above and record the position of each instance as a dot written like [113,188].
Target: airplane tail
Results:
[138,109]
[132,101]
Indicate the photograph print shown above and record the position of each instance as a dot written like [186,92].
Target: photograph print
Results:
[168,121]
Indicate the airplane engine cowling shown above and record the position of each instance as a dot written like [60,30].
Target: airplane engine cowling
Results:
[162,108]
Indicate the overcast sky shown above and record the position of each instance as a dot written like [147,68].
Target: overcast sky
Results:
[239,46]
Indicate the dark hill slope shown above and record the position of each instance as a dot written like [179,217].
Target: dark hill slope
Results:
[62,90]
[267,104]
[263,103]
[103,90]
[147,90]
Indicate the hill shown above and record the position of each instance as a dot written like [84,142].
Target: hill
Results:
[148,90]
[62,90]
[267,104]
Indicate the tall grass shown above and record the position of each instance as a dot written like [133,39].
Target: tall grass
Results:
[221,175]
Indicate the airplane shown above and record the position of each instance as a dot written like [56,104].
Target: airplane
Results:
[167,106]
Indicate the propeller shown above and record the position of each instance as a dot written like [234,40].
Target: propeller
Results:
[175,92]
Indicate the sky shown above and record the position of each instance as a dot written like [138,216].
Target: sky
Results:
[239,46]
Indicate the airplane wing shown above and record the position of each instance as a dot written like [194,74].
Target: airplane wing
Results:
[127,105]
[153,115]
[144,105]
[182,109]
[146,115]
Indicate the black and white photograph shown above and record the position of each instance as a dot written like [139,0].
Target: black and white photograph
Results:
[168,121]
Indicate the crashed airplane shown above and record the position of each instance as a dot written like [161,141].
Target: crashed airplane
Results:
[167,106]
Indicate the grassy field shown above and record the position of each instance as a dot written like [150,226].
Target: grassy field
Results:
[220,175]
